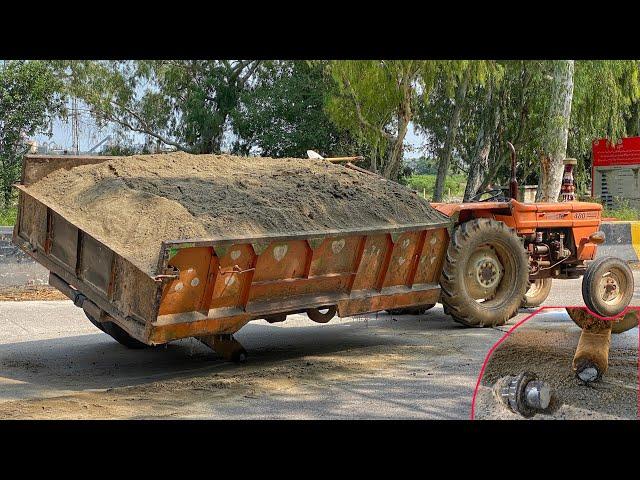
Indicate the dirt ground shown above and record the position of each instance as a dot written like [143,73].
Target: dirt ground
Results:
[56,364]
[547,350]
[167,399]
[30,292]
[133,203]
[352,368]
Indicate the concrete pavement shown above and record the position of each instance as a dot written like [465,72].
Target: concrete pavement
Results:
[55,364]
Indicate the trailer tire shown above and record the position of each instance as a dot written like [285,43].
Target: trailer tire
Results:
[96,323]
[117,333]
[317,316]
[607,271]
[487,251]
[537,292]
[419,310]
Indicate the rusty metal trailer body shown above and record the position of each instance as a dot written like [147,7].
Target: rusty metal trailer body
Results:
[214,286]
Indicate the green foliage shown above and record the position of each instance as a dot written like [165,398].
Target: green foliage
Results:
[375,101]
[606,95]
[426,183]
[426,166]
[8,215]
[282,108]
[605,104]
[433,116]
[122,150]
[282,113]
[29,98]
[622,211]
[183,103]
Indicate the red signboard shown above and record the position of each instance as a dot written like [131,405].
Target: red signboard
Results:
[614,169]
[625,152]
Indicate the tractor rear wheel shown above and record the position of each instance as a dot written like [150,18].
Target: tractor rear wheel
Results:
[485,275]
[537,293]
[607,286]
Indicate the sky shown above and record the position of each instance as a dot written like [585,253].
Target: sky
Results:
[89,135]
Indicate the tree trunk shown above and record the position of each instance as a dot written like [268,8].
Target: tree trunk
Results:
[479,165]
[445,154]
[555,139]
[394,159]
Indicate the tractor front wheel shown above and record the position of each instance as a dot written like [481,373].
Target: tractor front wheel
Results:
[485,275]
[607,286]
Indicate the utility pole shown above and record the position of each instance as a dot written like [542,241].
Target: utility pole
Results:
[75,142]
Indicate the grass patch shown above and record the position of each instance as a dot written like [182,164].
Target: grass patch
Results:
[8,215]
[623,212]
[621,209]
[454,185]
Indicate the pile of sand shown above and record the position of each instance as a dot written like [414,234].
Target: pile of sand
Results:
[134,203]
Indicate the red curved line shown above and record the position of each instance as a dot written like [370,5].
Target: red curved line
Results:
[528,317]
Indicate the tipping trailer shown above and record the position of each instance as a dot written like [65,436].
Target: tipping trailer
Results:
[209,288]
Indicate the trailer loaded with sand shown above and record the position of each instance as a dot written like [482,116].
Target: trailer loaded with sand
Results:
[155,248]
[160,247]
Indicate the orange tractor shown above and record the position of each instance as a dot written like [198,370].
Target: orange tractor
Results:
[504,254]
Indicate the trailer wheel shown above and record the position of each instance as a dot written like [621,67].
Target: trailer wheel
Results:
[117,333]
[485,275]
[96,323]
[419,310]
[537,293]
[316,315]
[607,286]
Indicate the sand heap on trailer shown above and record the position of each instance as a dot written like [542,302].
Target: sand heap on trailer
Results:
[134,203]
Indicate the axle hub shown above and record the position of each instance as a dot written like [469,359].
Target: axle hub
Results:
[524,394]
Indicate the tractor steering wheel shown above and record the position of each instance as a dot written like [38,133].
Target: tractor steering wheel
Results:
[496,194]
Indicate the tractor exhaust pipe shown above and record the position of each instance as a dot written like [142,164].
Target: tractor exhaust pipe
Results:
[513,183]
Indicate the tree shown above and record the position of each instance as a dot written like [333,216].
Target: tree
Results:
[479,161]
[29,99]
[452,131]
[376,99]
[449,111]
[282,113]
[554,142]
[514,104]
[605,105]
[186,104]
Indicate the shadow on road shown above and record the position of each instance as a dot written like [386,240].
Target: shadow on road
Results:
[96,361]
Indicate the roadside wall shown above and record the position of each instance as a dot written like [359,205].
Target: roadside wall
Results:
[622,240]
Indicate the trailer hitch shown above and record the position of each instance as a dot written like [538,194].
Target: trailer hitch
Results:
[169,273]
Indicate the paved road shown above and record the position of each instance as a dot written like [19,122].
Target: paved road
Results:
[54,363]
[16,267]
